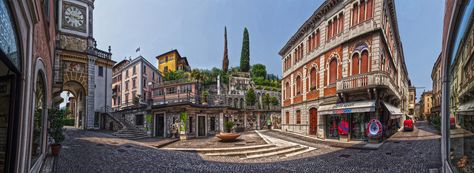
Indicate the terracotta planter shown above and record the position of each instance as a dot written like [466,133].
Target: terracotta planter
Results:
[55,149]
[228,137]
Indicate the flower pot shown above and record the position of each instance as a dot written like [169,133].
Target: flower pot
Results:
[55,149]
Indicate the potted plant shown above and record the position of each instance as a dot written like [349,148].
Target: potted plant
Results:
[229,125]
[228,137]
[56,120]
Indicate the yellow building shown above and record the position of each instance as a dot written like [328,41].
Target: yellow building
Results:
[172,61]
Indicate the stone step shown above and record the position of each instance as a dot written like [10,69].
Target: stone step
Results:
[212,150]
[300,152]
[282,152]
[249,152]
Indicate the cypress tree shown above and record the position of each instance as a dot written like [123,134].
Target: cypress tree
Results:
[245,54]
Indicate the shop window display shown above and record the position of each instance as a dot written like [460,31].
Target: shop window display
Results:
[358,124]
[332,126]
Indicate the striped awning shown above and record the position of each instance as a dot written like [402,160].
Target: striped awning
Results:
[395,112]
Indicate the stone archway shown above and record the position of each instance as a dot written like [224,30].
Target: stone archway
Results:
[76,103]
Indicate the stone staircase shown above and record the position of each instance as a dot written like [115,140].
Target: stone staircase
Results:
[270,151]
[252,152]
[128,131]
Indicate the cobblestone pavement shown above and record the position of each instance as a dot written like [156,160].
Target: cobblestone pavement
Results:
[89,151]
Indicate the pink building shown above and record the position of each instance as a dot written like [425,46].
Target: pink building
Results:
[132,81]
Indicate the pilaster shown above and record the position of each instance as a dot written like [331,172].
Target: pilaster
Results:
[89,118]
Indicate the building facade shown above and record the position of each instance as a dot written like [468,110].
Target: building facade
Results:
[132,82]
[436,80]
[343,69]
[80,67]
[172,61]
[27,42]
[457,105]
[426,103]
[411,100]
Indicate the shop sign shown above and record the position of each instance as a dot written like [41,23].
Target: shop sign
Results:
[342,111]
[374,128]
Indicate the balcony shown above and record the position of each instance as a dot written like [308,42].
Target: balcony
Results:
[368,80]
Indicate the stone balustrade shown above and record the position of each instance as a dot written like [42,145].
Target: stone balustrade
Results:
[368,80]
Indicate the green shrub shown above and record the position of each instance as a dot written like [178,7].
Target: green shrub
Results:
[69,122]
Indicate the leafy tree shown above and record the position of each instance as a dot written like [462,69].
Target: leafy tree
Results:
[204,95]
[266,100]
[275,101]
[250,97]
[175,75]
[245,54]
[258,70]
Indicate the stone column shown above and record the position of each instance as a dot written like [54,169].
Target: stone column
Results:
[221,122]
[89,117]
[258,121]
[245,120]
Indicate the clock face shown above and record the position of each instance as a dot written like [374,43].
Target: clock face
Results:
[74,17]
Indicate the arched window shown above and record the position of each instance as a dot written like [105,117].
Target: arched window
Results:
[333,71]
[287,90]
[354,14]
[362,11]
[312,77]
[364,62]
[299,86]
[334,27]
[341,23]
[38,119]
[329,30]
[355,64]
[318,38]
[370,4]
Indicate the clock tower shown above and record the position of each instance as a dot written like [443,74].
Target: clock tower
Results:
[80,67]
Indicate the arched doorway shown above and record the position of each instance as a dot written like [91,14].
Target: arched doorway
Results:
[73,95]
[313,121]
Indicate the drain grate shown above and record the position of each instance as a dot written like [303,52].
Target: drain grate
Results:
[121,150]
[345,155]
[396,142]
[388,153]
[101,145]
[128,146]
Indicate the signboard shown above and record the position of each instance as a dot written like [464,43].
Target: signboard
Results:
[374,128]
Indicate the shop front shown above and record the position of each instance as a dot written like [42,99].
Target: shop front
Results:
[347,121]
[390,118]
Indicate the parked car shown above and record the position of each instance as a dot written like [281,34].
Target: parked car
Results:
[408,125]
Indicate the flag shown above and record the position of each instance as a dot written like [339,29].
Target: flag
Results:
[138,49]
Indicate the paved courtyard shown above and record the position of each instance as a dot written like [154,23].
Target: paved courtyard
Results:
[89,151]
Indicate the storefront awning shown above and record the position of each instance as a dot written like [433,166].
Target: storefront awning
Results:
[466,108]
[351,107]
[395,112]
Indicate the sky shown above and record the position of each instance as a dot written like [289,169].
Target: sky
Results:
[196,29]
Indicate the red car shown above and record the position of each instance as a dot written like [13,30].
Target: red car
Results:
[408,125]
[452,123]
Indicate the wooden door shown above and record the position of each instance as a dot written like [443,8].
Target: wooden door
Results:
[160,125]
[313,121]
